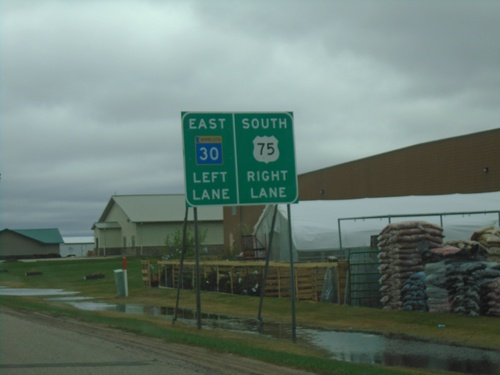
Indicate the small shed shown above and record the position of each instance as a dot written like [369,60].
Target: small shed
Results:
[77,246]
[324,228]
[30,243]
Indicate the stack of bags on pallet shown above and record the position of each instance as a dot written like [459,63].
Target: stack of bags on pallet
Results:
[458,278]
[463,291]
[489,237]
[473,288]
[414,296]
[400,258]
[449,288]
[492,298]
[435,287]
[489,282]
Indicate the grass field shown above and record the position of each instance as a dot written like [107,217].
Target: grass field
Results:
[69,274]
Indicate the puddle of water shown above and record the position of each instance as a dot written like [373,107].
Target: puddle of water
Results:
[103,306]
[371,348]
[187,316]
[70,298]
[27,292]
[344,346]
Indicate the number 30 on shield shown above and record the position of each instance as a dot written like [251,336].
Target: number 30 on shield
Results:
[209,150]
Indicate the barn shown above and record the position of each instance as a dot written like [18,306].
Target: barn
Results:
[30,243]
[142,224]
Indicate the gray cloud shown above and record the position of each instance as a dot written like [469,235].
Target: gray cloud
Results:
[91,91]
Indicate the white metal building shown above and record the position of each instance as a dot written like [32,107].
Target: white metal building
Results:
[140,224]
[77,246]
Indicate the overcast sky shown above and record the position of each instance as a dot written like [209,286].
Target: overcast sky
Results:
[91,92]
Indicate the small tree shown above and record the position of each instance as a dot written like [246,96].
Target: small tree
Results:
[173,243]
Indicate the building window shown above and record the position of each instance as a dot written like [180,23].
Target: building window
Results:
[133,241]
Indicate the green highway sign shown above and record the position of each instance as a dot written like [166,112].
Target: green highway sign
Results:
[239,158]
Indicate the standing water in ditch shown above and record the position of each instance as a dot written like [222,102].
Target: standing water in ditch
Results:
[342,345]
[393,350]
[405,352]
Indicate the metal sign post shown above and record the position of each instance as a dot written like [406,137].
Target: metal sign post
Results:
[266,268]
[198,281]
[292,274]
[180,278]
[197,270]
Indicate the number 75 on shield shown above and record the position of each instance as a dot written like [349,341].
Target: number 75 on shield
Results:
[208,150]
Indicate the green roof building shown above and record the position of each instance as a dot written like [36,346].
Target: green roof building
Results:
[30,243]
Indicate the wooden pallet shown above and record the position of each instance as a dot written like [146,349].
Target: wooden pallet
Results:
[309,277]
[146,272]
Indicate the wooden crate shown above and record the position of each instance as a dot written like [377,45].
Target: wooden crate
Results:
[278,282]
[307,284]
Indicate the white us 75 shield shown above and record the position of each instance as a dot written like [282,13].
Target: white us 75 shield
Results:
[265,149]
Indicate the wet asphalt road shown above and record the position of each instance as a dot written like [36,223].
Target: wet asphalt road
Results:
[29,347]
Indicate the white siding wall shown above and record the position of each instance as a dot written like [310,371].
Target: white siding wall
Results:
[116,214]
[110,238]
